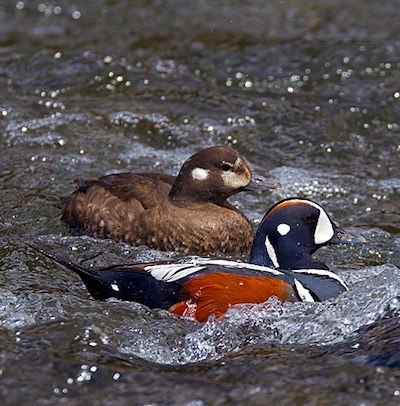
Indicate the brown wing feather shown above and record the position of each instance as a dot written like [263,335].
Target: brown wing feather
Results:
[147,188]
[99,212]
[112,205]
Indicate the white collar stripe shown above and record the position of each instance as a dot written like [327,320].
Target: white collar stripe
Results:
[303,293]
[321,272]
[271,252]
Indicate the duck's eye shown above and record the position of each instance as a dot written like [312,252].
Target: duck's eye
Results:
[226,167]
[310,218]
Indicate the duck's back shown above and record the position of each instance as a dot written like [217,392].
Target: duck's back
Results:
[148,188]
[110,205]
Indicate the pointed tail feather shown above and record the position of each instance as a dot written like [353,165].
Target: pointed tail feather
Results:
[68,264]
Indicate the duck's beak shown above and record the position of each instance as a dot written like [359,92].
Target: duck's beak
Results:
[343,237]
[258,182]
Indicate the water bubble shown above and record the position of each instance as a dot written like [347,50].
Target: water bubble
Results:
[76,15]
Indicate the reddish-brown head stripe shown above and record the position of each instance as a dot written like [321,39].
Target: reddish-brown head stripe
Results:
[287,203]
[215,293]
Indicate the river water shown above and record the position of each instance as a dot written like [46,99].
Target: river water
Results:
[307,91]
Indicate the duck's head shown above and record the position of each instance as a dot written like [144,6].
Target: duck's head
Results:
[215,173]
[291,231]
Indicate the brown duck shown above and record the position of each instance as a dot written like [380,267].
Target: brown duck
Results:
[188,213]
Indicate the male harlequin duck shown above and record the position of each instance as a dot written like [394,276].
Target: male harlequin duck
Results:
[199,287]
[188,213]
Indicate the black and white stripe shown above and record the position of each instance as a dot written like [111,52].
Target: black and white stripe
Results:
[322,273]
[174,272]
[310,285]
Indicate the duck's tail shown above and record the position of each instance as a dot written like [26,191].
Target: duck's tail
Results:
[68,264]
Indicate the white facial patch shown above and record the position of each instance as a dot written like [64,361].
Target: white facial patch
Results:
[283,229]
[324,230]
[200,173]
[271,253]
[236,180]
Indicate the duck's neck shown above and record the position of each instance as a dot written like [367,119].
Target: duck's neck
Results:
[289,256]
[260,256]
[182,191]
[295,258]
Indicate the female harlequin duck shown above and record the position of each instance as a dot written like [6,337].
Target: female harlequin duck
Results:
[199,287]
[188,213]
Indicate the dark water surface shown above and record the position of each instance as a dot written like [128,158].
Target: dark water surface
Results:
[307,91]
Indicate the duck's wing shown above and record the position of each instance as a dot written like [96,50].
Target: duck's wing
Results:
[111,206]
[147,188]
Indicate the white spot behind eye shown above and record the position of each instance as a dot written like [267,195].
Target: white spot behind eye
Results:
[324,230]
[237,163]
[283,229]
[271,253]
[200,173]
[115,287]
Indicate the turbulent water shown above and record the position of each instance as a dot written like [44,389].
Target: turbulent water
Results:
[307,91]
